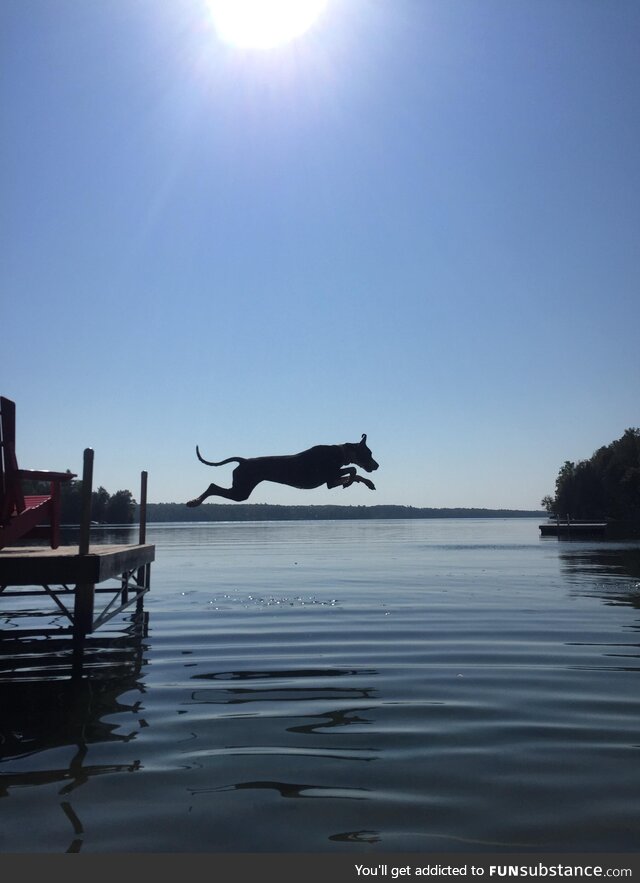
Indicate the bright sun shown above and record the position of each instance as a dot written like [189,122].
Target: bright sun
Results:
[263,24]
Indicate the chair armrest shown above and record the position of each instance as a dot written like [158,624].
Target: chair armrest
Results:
[45,475]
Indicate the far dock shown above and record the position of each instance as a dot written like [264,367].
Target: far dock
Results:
[570,528]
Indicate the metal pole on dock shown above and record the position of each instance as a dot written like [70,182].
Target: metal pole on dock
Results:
[144,572]
[143,509]
[87,489]
[84,592]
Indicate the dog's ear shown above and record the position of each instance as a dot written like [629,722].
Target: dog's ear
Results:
[363,440]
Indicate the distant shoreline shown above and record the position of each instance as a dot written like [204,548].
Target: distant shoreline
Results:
[165,512]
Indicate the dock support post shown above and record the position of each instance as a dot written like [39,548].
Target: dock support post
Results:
[142,538]
[83,609]
[144,573]
[87,490]
[124,587]
[84,592]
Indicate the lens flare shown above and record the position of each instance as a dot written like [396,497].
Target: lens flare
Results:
[264,24]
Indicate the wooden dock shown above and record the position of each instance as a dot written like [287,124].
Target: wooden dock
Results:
[73,580]
[73,575]
[570,529]
[35,565]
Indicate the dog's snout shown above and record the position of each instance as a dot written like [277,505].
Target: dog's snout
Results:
[373,466]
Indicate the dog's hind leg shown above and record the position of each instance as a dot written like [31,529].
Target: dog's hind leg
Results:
[240,489]
[212,491]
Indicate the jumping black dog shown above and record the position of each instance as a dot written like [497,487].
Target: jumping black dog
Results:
[322,464]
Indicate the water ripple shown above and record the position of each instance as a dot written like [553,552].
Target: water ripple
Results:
[399,686]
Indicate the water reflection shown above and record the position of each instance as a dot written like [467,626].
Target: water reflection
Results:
[51,700]
[608,571]
[490,683]
[290,789]
[285,701]
[107,534]
[611,573]
[356,837]
[296,688]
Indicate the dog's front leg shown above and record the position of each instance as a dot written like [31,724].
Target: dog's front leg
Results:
[351,479]
[348,475]
[344,477]
[366,481]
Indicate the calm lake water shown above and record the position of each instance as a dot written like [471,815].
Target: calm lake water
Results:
[447,685]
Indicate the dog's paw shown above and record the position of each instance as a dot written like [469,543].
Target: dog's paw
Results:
[193,503]
[369,484]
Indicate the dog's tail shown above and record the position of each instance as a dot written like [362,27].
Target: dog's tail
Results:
[221,463]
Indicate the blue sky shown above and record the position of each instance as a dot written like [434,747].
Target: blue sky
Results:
[420,220]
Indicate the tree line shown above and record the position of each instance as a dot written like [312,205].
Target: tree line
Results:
[606,486]
[168,512]
[106,508]
[122,508]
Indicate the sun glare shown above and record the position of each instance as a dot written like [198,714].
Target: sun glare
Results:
[264,24]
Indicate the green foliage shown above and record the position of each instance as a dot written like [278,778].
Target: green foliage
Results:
[548,503]
[119,508]
[605,486]
[170,512]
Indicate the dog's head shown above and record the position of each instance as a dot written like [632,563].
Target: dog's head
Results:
[361,455]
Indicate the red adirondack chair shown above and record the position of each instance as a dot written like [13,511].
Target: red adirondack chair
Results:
[25,516]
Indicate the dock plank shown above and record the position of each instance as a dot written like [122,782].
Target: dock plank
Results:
[40,565]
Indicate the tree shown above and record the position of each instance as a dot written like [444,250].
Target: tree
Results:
[117,509]
[605,486]
[548,503]
[121,508]
[71,502]
[99,505]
